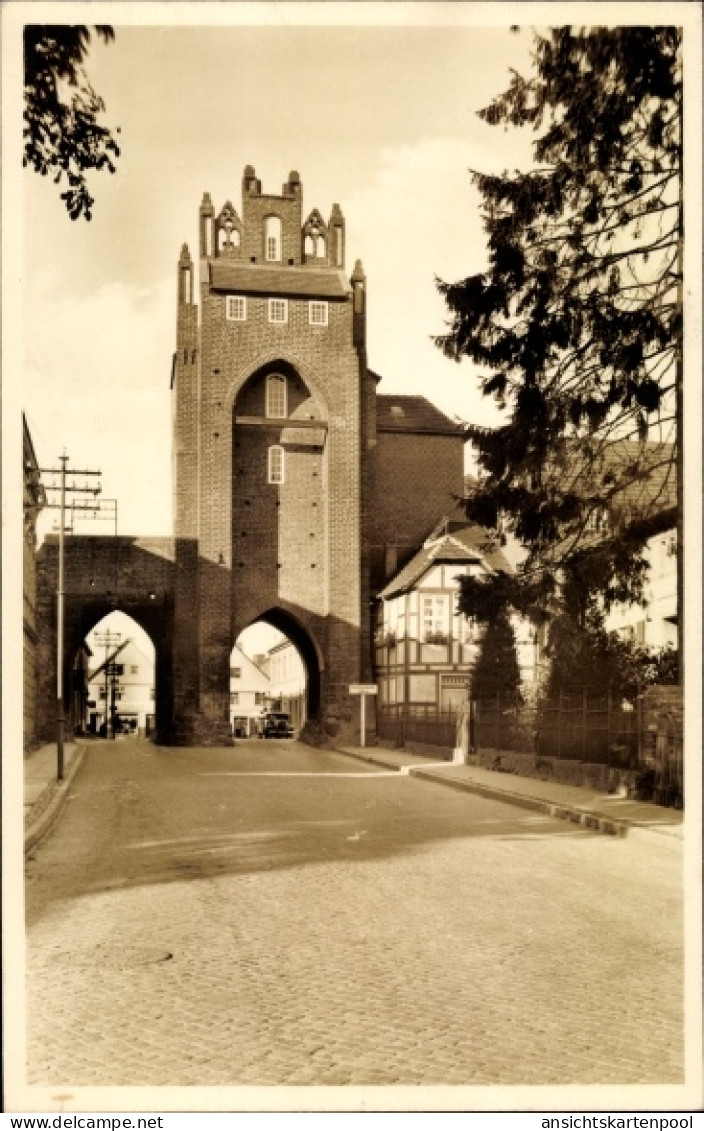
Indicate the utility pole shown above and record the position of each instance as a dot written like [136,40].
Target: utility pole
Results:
[63,489]
[109,640]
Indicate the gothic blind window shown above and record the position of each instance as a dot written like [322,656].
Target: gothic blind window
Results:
[236,308]
[276,464]
[278,310]
[228,238]
[434,617]
[276,395]
[318,313]
[272,239]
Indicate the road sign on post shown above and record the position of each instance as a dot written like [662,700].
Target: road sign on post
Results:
[363,689]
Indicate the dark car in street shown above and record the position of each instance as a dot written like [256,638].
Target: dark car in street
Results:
[277,724]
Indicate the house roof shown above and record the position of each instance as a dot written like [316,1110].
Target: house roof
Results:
[259,279]
[651,467]
[252,675]
[131,651]
[647,503]
[412,414]
[450,542]
[33,485]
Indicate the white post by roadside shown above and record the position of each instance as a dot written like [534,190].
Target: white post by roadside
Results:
[363,689]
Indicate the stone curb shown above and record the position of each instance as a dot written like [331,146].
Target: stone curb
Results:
[552,809]
[51,801]
[564,812]
[375,761]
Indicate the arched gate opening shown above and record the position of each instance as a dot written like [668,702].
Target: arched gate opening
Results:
[275,667]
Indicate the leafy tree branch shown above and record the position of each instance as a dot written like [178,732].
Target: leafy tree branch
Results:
[63,136]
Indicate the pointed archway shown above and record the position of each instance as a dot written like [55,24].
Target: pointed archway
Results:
[311,656]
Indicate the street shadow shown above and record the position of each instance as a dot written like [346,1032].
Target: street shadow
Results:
[142,815]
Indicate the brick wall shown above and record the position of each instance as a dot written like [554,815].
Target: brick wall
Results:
[278,533]
[417,480]
[256,207]
[135,575]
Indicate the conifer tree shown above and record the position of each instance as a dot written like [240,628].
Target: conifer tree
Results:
[496,671]
[575,327]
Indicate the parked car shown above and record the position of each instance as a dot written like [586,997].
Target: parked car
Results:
[277,724]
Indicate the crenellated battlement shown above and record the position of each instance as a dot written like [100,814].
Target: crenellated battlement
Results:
[270,229]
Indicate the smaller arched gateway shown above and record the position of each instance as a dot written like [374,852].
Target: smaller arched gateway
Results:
[102,575]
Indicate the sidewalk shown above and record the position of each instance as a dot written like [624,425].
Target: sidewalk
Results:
[44,796]
[603,812]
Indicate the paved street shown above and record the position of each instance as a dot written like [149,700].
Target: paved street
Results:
[274,914]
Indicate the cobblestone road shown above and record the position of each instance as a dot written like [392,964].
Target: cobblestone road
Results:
[279,915]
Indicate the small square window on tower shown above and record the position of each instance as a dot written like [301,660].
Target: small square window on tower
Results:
[318,313]
[278,310]
[236,308]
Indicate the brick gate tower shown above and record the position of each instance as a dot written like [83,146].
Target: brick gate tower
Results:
[298,490]
[274,422]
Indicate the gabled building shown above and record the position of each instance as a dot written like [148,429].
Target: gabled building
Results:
[250,694]
[647,504]
[424,648]
[125,680]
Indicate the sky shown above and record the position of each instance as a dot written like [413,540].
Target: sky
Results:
[381,120]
